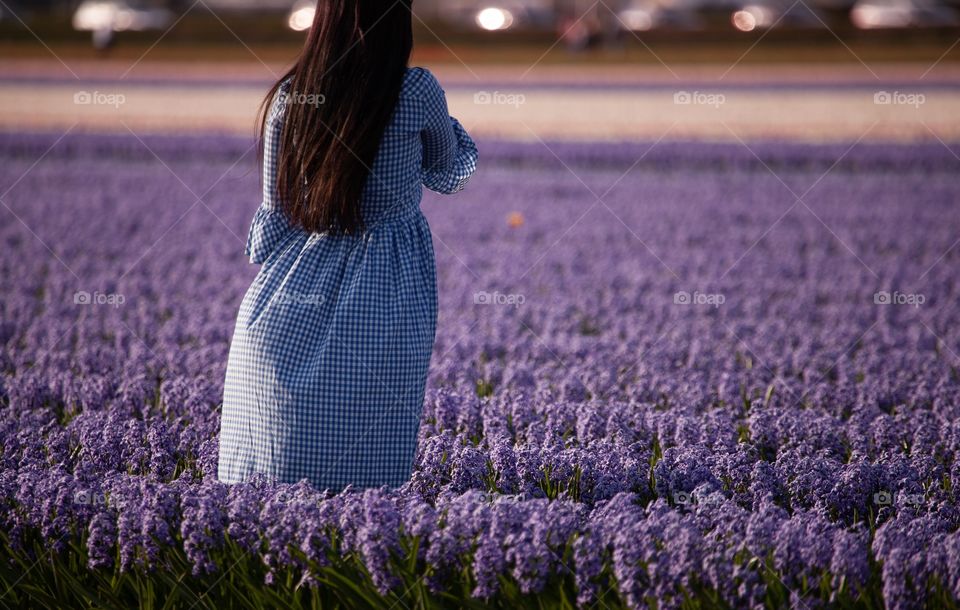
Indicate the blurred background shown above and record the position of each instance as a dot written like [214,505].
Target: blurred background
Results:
[817,70]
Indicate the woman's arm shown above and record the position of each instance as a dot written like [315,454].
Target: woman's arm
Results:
[270,225]
[449,153]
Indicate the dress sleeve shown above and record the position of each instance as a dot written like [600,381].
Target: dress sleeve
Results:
[449,153]
[270,225]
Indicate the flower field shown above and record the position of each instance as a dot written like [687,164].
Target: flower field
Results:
[670,376]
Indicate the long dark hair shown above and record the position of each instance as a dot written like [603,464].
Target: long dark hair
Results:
[342,93]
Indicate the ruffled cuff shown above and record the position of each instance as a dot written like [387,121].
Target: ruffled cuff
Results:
[467,155]
[453,179]
[267,230]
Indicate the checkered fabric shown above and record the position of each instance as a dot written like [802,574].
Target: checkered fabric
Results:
[327,367]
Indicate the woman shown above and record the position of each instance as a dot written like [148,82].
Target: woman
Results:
[327,368]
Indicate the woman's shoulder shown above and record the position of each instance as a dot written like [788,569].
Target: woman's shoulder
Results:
[420,82]
[279,103]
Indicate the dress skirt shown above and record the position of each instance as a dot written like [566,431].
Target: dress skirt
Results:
[328,363]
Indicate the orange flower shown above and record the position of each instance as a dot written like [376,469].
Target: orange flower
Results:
[514,219]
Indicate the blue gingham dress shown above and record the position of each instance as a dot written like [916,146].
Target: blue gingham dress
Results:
[327,367]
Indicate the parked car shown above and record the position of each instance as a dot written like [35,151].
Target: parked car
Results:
[763,14]
[301,15]
[877,14]
[106,17]
[498,15]
[490,16]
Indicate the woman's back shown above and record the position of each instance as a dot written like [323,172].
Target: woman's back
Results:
[420,146]
[328,364]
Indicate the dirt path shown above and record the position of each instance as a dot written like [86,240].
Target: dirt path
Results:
[843,102]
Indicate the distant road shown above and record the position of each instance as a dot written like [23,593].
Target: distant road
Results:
[835,102]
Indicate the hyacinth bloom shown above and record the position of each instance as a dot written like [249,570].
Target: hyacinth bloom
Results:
[599,420]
